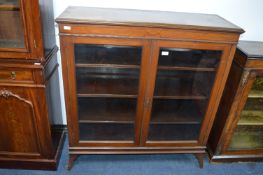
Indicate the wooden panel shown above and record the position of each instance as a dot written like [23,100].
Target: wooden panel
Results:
[19,135]
[227,106]
[16,76]
[163,19]
[147,33]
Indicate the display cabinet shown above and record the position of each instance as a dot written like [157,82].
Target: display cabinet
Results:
[142,82]
[29,91]
[237,134]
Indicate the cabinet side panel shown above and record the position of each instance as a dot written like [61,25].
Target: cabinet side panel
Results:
[53,92]
[48,24]
[225,106]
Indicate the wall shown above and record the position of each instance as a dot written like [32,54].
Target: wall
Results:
[247,14]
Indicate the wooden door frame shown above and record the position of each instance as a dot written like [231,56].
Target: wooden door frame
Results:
[228,51]
[248,78]
[69,77]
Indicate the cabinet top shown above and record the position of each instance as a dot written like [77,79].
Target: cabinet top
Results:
[252,49]
[146,18]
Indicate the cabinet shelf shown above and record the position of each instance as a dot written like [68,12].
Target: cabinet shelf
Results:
[104,110]
[108,86]
[11,5]
[173,132]
[107,54]
[108,66]
[182,97]
[107,81]
[177,112]
[106,96]
[249,117]
[255,94]
[247,137]
[185,68]
[106,132]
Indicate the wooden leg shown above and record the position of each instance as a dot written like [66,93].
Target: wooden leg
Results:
[72,158]
[200,158]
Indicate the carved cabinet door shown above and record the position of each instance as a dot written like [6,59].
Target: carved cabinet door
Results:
[18,128]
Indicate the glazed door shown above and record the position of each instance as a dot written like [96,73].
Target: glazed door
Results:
[186,82]
[12,33]
[247,136]
[108,77]
[19,30]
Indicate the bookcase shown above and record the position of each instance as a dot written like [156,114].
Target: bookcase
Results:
[142,82]
[237,132]
[30,137]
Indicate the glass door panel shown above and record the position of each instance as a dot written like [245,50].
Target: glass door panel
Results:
[184,81]
[11,28]
[249,131]
[107,90]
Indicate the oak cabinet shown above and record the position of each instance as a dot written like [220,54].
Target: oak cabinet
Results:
[140,82]
[29,90]
[237,132]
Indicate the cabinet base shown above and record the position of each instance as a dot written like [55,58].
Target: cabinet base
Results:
[37,164]
[198,154]
[233,158]
[236,158]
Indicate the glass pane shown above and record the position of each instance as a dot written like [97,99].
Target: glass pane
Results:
[184,81]
[189,58]
[188,84]
[106,110]
[111,131]
[11,28]
[107,94]
[249,132]
[107,54]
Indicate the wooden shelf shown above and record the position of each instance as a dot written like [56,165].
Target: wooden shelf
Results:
[103,110]
[249,117]
[183,97]
[184,68]
[173,132]
[106,96]
[106,132]
[138,67]
[247,137]
[177,111]
[107,54]
[117,66]
[108,86]
[10,5]
[255,94]
[175,90]
[107,81]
